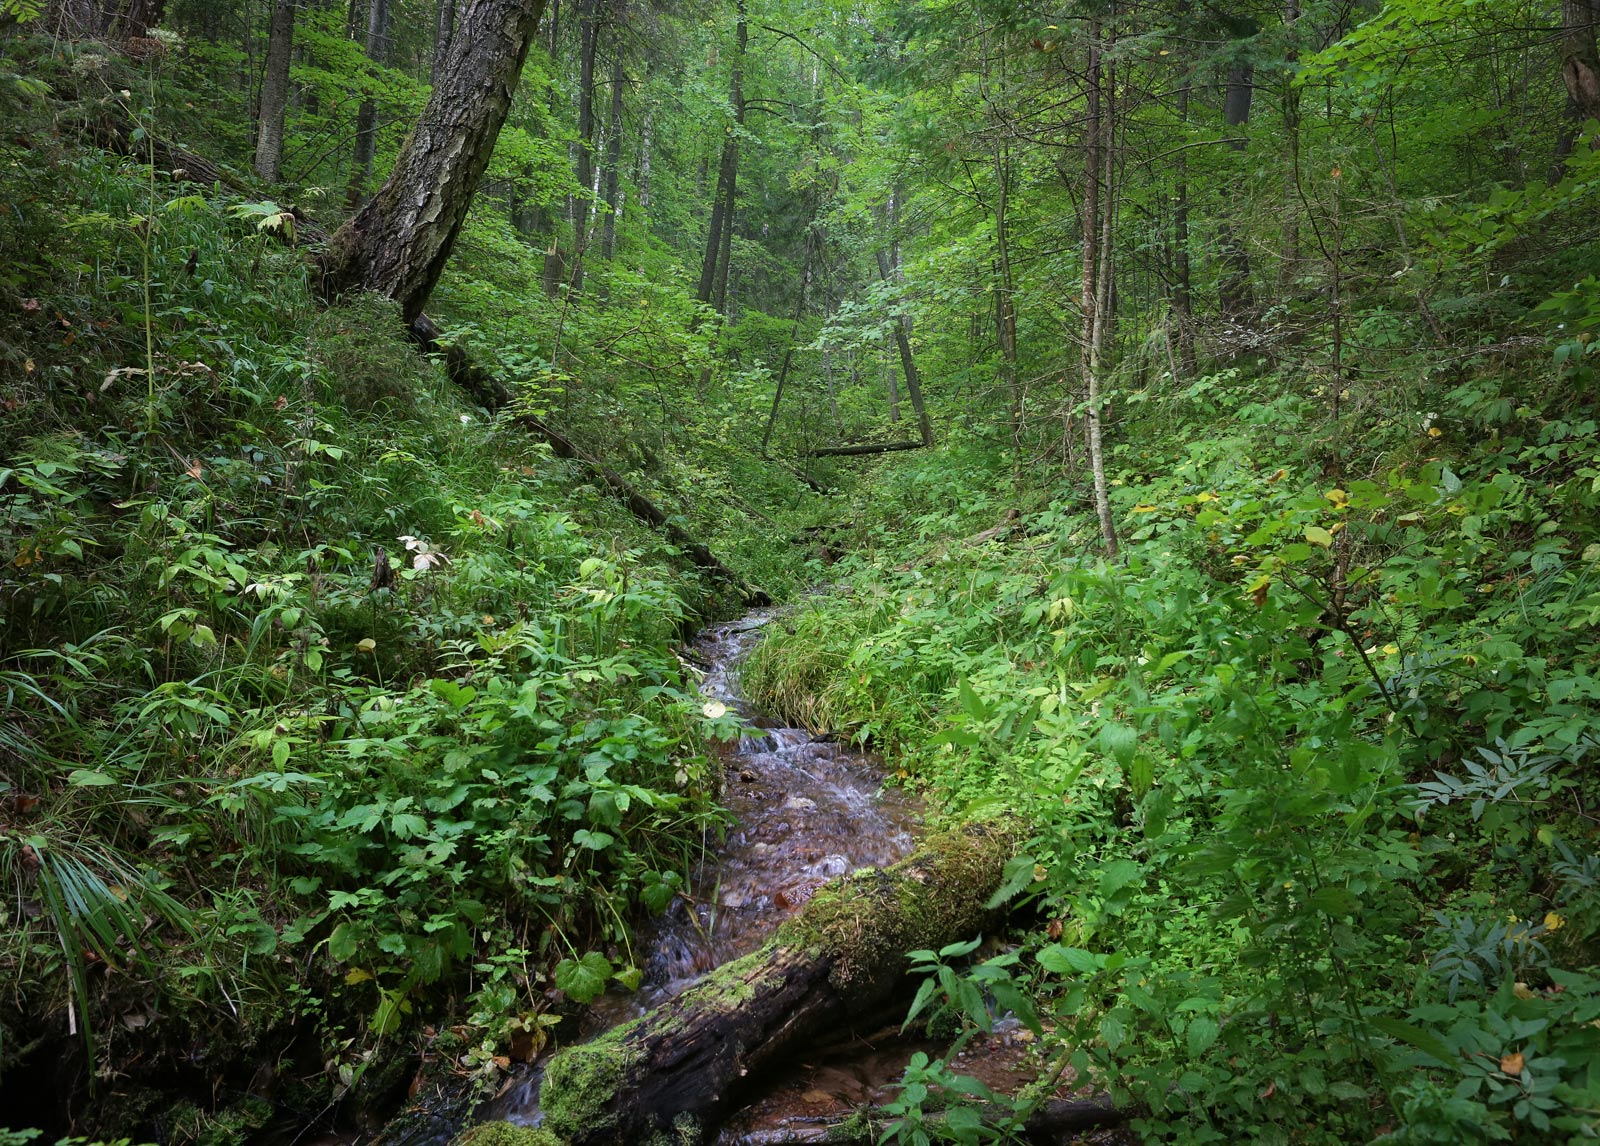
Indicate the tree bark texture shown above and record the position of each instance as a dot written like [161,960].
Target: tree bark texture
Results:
[399,241]
[864,449]
[578,207]
[443,32]
[72,19]
[275,91]
[841,956]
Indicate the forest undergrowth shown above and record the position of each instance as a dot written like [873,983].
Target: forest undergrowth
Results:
[1311,767]
[1247,543]
[336,718]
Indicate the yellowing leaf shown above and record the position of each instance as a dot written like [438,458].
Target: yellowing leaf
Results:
[1202,498]
[1553,922]
[367,645]
[1435,432]
[1512,1063]
[1339,498]
[357,975]
[1319,536]
[714,709]
[1144,509]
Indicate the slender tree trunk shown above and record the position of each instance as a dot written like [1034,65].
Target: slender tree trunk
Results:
[1289,245]
[1233,288]
[612,184]
[275,91]
[646,143]
[1005,311]
[1096,292]
[719,296]
[579,206]
[719,233]
[399,241]
[1183,286]
[444,29]
[1580,72]
[367,116]
[794,333]
[908,364]
[892,384]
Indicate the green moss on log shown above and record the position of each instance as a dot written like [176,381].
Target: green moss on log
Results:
[865,922]
[505,1134]
[580,1085]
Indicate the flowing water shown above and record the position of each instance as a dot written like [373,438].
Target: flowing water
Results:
[804,811]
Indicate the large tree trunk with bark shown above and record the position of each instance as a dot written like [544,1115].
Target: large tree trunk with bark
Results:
[72,19]
[398,243]
[275,91]
[842,956]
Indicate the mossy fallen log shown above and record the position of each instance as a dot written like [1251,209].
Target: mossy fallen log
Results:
[843,954]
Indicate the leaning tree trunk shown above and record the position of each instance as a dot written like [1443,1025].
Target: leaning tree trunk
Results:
[908,363]
[275,91]
[399,241]
[842,956]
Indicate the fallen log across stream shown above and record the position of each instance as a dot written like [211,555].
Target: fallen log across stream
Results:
[692,1058]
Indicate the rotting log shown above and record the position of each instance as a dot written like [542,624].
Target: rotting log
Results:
[693,1057]
[492,394]
[867,448]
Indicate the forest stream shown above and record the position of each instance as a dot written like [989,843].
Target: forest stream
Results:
[804,810]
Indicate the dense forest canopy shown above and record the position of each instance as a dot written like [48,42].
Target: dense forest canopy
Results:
[1185,411]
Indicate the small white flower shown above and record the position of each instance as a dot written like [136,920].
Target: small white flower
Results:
[466,419]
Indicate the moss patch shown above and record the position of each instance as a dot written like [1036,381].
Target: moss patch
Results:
[866,921]
[505,1134]
[580,1084]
